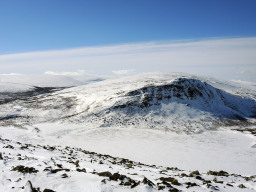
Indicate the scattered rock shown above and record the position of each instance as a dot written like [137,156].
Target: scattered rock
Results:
[48,190]
[194,173]
[199,177]
[77,163]
[104,181]
[215,188]
[170,179]
[127,181]
[29,187]
[173,190]
[166,183]
[241,186]
[161,187]
[216,181]
[189,184]
[116,176]
[218,173]
[228,184]
[9,146]
[184,175]
[172,169]
[129,165]
[57,170]
[148,182]
[81,170]
[105,174]
[23,169]
[206,182]
[64,175]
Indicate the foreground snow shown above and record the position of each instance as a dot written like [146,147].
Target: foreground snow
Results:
[27,167]
[227,150]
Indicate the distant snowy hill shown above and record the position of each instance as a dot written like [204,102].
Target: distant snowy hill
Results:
[14,87]
[173,101]
[23,81]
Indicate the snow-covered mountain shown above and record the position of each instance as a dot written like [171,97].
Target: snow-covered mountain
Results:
[55,138]
[173,101]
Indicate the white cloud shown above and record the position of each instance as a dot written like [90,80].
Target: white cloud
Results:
[123,72]
[217,57]
[12,74]
[79,72]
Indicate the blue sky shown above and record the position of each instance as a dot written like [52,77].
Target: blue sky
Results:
[30,25]
[122,37]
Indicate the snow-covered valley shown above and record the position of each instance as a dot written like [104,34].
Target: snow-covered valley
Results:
[161,120]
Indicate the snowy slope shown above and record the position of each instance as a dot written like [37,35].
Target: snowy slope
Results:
[46,168]
[223,149]
[177,102]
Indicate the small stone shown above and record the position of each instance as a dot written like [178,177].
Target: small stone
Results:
[194,173]
[64,175]
[48,190]
[147,181]
[170,179]
[241,186]
[105,174]
[183,175]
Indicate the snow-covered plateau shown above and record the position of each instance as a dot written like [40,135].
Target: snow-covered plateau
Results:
[149,132]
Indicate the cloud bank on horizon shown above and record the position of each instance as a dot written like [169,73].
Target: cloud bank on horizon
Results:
[230,58]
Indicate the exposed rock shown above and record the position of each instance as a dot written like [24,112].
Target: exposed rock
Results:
[57,170]
[216,181]
[228,184]
[105,174]
[81,170]
[148,182]
[116,176]
[170,179]
[194,173]
[77,163]
[64,175]
[241,186]
[183,175]
[215,188]
[48,190]
[218,173]
[23,169]
[189,184]
[173,190]
[29,187]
